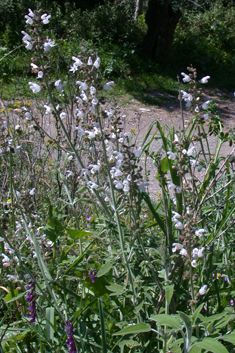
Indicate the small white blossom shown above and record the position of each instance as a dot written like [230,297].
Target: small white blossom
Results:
[92,90]
[31,14]
[26,37]
[58,85]
[118,184]
[34,87]
[92,185]
[186,77]
[28,45]
[48,109]
[48,45]
[29,20]
[205,79]
[171,155]
[40,74]
[205,105]
[80,114]
[137,152]
[194,263]
[45,18]
[63,116]
[176,246]
[203,290]
[192,151]
[32,191]
[178,225]
[97,63]
[108,85]
[89,62]
[183,252]
[197,110]
[200,232]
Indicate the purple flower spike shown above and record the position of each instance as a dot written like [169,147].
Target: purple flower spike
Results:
[70,343]
[31,300]
[92,276]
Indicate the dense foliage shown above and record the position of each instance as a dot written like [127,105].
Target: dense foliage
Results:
[91,260]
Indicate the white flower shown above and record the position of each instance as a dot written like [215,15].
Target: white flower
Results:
[176,138]
[28,116]
[176,216]
[92,90]
[48,109]
[34,66]
[92,185]
[183,252]
[48,45]
[205,105]
[1,239]
[192,151]
[6,261]
[171,186]
[200,232]
[40,74]
[34,87]
[176,246]
[89,62]
[137,152]
[83,96]
[118,184]
[95,101]
[12,278]
[194,263]
[205,79]
[108,85]
[58,85]
[32,191]
[80,114]
[187,97]
[31,14]
[91,134]
[28,45]
[69,174]
[94,168]
[45,18]
[29,20]
[18,194]
[97,63]
[76,64]
[115,172]
[110,113]
[80,131]
[171,155]
[203,290]
[178,224]
[26,36]
[82,85]
[63,116]
[186,77]
[197,109]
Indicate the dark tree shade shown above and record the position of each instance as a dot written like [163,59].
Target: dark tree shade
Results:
[161,18]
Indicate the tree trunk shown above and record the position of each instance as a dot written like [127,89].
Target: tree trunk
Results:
[161,21]
[138,9]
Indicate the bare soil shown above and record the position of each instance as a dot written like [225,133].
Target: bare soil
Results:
[140,116]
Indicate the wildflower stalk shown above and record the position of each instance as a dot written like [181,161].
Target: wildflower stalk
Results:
[116,215]
[12,192]
[102,203]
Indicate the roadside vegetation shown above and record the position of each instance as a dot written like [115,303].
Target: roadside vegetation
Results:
[90,260]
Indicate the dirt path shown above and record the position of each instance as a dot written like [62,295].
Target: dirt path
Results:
[140,116]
